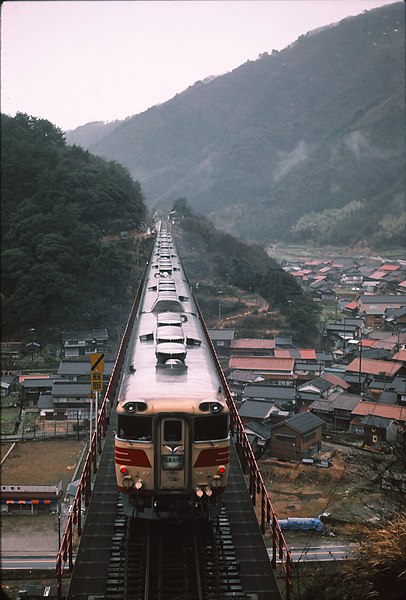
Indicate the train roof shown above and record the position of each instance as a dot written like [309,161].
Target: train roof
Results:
[169,363]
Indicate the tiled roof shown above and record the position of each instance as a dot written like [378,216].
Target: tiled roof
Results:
[243,376]
[262,363]
[22,378]
[387,411]
[400,356]
[255,409]
[252,343]
[82,367]
[345,401]
[322,405]
[335,380]
[303,422]
[221,334]
[378,275]
[320,383]
[387,267]
[398,299]
[374,421]
[263,430]
[37,382]
[270,392]
[70,388]
[296,353]
[374,367]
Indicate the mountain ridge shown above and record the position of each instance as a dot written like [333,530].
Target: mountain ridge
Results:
[313,127]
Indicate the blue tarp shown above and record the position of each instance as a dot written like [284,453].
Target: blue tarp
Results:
[301,524]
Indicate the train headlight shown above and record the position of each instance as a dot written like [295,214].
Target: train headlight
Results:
[216,481]
[199,492]
[128,482]
[123,470]
[135,407]
[214,407]
[221,470]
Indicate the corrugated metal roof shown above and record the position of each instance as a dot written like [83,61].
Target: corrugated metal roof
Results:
[262,363]
[398,413]
[253,343]
[374,367]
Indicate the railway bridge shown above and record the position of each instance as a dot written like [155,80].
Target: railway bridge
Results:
[123,559]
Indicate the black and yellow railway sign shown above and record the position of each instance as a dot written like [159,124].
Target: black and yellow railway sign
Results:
[96,371]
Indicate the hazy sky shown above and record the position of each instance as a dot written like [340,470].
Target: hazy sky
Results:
[75,62]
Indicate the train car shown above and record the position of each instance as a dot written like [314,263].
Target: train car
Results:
[172,440]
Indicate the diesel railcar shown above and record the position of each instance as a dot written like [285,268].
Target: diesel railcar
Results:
[172,441]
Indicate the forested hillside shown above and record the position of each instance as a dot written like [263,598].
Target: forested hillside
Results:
[306,144]
[226,262]
[58,202]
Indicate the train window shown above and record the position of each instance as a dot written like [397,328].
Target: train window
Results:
[135,428]
[173,431]
[213,427]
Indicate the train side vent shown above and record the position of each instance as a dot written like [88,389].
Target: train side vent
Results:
[193,341]
[149,335]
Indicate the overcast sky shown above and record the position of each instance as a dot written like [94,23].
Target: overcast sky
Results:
[75,62]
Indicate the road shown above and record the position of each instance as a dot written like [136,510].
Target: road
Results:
[319,553]
[29,562]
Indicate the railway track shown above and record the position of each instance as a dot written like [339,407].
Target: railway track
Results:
[157,560]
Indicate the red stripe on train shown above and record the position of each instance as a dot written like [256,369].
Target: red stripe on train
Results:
[212,457]
[132,456]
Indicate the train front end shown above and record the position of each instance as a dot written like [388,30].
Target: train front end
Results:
[172,465]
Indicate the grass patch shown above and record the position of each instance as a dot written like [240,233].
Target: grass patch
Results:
[9,413]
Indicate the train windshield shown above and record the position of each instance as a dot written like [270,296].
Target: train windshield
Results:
[135,428]
[213,427]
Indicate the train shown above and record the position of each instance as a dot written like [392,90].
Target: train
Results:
[172,442]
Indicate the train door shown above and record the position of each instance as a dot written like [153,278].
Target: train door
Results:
[173,461]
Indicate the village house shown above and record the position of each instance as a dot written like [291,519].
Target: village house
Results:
[222,340]
[71,399]
[84,343]
[369,427]
[259,436]
[31,386]
[379,370]
[336,410]
[261,411]
[79,370]
[253,347]
[284,396]
[298,437]
[373,307]
[30,499]
[277,370]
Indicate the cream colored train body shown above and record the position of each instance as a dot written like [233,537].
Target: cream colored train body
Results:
[172,440]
